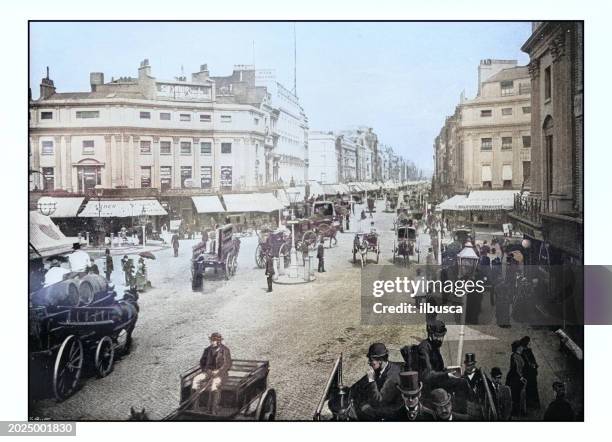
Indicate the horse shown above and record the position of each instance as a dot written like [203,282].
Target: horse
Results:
[141,415]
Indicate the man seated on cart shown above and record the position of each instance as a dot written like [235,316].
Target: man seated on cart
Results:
[214,363]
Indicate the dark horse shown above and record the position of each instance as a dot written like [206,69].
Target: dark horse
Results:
[138,415]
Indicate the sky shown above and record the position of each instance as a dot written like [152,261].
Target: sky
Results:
[400,78]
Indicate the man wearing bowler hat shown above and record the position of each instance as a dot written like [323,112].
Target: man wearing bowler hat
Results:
[376,395]
[432,371]
[502,396]
[410,388]
[443,407]
[214,363]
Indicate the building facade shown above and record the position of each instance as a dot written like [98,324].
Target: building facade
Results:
[552,214]
[143,132]
[322,162]
[486,143]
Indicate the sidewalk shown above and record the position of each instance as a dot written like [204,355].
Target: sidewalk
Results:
[126,250]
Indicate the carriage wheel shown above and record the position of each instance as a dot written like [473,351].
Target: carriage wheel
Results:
[105,357]
[234,264]
[260,258]
[228,265]
[266,409]
[354,257]
[67,369]
[377,255]
[124,340]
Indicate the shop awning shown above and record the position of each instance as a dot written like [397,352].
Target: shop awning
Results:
[330,189]
[281,196]
[122,208]
[452,202]
[316,189]
[252,202]
[489,200]
[67,207]
[207,204]
[46,239]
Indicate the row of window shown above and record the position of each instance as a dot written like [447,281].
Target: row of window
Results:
[89,177]
[506,175]
[165,147]
[505,111]
[146,115]
[487,143]
[507,88]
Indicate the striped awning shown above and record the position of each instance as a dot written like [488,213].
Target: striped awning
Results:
[122,208]
[46,239]
[67,207]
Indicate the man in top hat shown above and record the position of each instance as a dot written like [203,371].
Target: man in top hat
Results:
[321,256]
[410,389]
[108,264]
[502,395]
[431,366]
[471,397]
[269,270]
[376,395]
[214,363]
[443,407]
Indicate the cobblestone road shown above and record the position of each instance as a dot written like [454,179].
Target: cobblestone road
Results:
[299,329]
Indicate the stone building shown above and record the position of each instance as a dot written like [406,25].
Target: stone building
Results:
[146,132]
[486,143]
[552,214]
[322,161]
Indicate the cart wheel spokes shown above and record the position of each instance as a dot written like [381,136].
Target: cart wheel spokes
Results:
[228,265]
[105,357]
[266,410]
[67,368]
[260,258]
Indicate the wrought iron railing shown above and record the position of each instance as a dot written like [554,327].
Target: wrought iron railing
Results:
[532,207]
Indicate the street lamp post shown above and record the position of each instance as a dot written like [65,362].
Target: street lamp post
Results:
[98,190]
[143,218]
[467,261]
[293,195]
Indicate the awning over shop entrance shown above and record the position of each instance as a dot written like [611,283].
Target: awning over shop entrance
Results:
[207,204]
[122,208]
[67,207]
[489,200]
[251,202]
[451,203]
[46,239]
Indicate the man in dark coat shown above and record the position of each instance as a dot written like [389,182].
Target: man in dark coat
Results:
[443,407]
[376,396]
[269,270]
[502,396]
[560,409]
[109,265]
[215,362]
[431,367]
[410,388]
[531,374]
[321,256]
[515,379]
[175,244]
[93,268]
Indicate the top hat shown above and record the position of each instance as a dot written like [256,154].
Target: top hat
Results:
[377,350]
[439,397]
[216,337]
[470,358]
[409,383]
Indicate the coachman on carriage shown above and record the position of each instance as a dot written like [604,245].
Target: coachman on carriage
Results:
[404,244]
[365,243]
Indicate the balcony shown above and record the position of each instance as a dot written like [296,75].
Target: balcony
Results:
[531,208]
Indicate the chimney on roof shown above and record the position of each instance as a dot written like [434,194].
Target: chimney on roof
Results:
[47,88]
[145,69]
[201,76]
[96,79]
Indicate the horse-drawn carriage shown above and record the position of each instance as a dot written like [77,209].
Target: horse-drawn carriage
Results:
[244,395]
[221,252]
[365,243]
[404,244]
[78,324]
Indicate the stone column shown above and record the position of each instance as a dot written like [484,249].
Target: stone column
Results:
[107,180]
[116,155]
[131,175]
[70,183]
[155,180]
[136,162]
[126,160]
[537,166]
[57,157]
[176,155]
[195,151]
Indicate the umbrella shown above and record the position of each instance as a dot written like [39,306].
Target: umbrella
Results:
[147,255]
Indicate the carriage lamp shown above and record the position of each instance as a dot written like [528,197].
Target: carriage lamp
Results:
[46,206]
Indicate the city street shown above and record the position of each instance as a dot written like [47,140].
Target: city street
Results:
[300,329]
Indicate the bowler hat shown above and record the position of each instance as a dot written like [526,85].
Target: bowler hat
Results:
[409,383]
[377,350]
[496,371]
[470,358]
[439,397]
[216,337]
[436,326]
